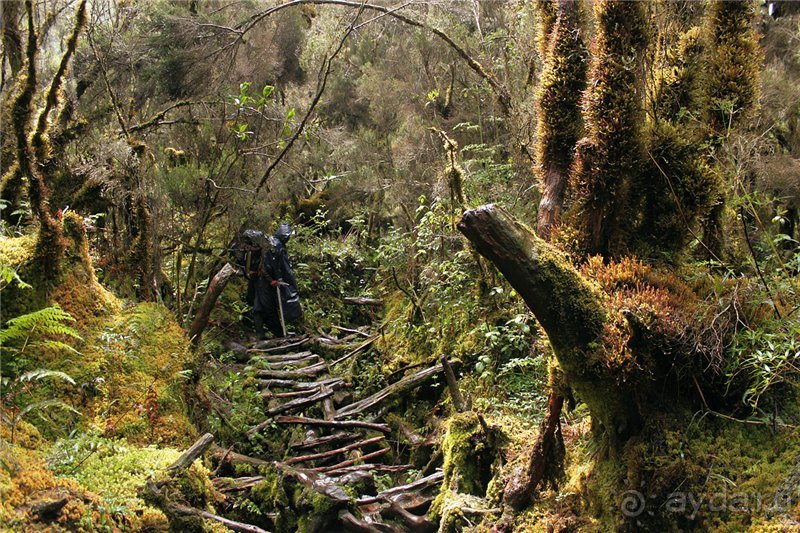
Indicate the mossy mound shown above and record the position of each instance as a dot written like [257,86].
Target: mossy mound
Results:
[687,474]
[471,452]
[283,504]
[74,287]
[30,494]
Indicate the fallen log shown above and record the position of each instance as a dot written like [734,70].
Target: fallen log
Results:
[327,404]
[404,385]
[333,383]
[293,394]
[330,453]
[300,403]
[360,300]
[351,462]
[419,484]
[333,423]
[355,350]
[196,450]
[360,525]
[415,523]
[227,484]
[213,291]
[276,345]
[569,309]
[309,371]
[284,358]
[354,331]
[230,524]
[232,457]
[336,438]
[316,481]
[413,501]
[368,467]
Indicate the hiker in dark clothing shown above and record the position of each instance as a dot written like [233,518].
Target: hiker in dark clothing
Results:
[271,285]
[284,296]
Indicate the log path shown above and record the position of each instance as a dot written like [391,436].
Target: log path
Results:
[346,439]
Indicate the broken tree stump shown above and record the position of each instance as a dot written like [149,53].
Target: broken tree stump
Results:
[213,291]
[196,450]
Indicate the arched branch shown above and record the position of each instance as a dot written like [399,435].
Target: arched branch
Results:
[502,94]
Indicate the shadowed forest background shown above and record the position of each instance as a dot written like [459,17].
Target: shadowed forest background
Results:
[547,252]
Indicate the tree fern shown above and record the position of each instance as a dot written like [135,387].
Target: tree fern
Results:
[45,329]
[50,321]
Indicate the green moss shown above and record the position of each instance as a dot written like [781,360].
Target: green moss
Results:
[563,80]
[271,498]
[732,82]
[16,251]
[112,468]
[470,456]
[608,158]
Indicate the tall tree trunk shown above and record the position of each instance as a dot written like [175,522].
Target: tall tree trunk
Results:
[566,305]
[559,124]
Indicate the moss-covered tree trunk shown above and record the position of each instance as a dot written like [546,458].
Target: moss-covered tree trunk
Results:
[559,123]
[608,158]
[567,306]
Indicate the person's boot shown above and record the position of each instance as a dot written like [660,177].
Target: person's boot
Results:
[258,323]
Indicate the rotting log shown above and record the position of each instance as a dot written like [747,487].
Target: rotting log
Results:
[300,403]
[309,371]
[336,438]
[230,524]
[224,455]
[276,345]
[351,462]
[567,306]
[215,288]
[413,522]
[359,525]
[406,384]
[291,357]
[368,467]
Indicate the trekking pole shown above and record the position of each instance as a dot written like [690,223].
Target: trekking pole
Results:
[280,306]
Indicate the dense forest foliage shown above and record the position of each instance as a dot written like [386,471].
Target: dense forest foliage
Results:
[547,253]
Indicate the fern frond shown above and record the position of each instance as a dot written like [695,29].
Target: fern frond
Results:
[49,321]
[44,404]
[41,373]
[55,345]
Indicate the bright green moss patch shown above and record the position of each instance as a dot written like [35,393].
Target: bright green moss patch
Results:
[111,467]
[15,251]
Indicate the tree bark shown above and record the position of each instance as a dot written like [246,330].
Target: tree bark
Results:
[568,307]
[207,305]
[188,457]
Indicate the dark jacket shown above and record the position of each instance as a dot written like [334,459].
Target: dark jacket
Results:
[277,267]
